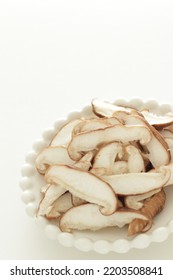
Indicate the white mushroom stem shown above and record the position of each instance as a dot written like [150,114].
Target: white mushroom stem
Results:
[157,147]
[84,185]
[138,183]
[91,140]
[135,160]
[52,193]
[51,156]
[89,217]
[64,135]
[136,201]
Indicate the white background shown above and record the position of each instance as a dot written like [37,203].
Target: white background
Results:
[55,56]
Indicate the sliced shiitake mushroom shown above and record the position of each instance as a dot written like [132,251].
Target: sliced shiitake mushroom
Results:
[158,149]
[51,194]
[151,208]
[60,206]
[51,156]
[91,140]
[89,217]
[158,122]
[138,183]
[135,162]
[104,159]
[63,136]
[105,109]
[84,185]
[136,201]
[84,164]
[94,124]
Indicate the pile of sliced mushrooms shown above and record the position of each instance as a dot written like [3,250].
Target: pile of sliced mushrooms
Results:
[107,171]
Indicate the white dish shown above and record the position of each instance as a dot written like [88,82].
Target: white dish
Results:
[102,241]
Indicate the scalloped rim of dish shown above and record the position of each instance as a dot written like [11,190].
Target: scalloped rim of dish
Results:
[101,246]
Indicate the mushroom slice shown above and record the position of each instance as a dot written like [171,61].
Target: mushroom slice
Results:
[94,124]
[138,183]
[105,158]
[60,205]
[158,122]
[151,208]
[63,137]
[88,216]
[84,185]
[135,160]
[105,109]
[88,141]
[136,201]
[84,163]
[120,167]
[158,149]
[51,156]
[51,194]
